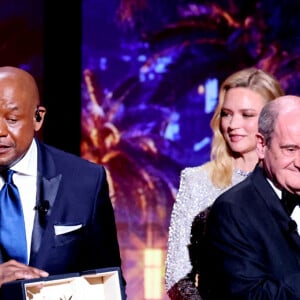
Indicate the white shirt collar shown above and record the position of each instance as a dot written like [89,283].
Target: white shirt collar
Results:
[276,190]
[28,164]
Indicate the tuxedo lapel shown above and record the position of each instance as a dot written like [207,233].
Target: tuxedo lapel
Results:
[48,192]
[268,195]
[47,188]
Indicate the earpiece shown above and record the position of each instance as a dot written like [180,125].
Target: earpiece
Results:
[38,116]
[40,113]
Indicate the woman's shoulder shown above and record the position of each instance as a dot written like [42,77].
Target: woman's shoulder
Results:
[196,182]
[196,178]
[201,170]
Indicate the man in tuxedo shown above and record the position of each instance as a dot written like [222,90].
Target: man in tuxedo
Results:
[252,247]
[68,214]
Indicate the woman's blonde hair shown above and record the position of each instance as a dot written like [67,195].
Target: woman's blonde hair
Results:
[221,156]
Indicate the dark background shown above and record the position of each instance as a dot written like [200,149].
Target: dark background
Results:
[62,73]
[44,37]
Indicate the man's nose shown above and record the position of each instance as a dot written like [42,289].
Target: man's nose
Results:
[297,159]
[3,127]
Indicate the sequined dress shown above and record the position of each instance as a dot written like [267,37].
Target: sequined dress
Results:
[196,193]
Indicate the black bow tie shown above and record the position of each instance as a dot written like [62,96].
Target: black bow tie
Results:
[290,201]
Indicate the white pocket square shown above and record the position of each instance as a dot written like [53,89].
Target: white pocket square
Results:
[62,229]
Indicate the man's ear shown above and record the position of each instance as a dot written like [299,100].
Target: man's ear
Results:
[39,117]
[260,146]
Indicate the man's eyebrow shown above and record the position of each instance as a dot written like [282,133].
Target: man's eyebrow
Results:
[289,146]
[13,107]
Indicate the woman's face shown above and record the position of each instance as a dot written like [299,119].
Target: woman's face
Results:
[239,119]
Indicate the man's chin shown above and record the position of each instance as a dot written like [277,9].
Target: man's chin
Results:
[5,161]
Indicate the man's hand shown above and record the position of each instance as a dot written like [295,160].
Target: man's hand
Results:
[12,270]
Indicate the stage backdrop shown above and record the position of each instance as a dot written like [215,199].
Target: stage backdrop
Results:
[150,76]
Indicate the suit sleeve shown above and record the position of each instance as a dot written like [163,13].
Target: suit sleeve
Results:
[235,265]
[102,243]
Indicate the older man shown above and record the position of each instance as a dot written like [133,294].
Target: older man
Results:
[252,239]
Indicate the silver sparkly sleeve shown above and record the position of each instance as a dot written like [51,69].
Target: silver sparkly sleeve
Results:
[177,261]
[196,193]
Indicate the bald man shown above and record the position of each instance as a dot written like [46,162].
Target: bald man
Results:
[69,218]
[252,240]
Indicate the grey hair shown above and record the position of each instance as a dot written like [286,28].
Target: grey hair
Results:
[267,120]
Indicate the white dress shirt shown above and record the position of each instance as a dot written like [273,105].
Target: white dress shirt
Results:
[296,212]
[25,178]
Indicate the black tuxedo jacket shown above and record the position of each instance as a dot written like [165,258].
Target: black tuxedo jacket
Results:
[78,230]
[252,245]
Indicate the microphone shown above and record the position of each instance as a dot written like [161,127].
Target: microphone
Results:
[292,226]
[43,207]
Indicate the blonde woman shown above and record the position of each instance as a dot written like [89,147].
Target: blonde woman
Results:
[233,156]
